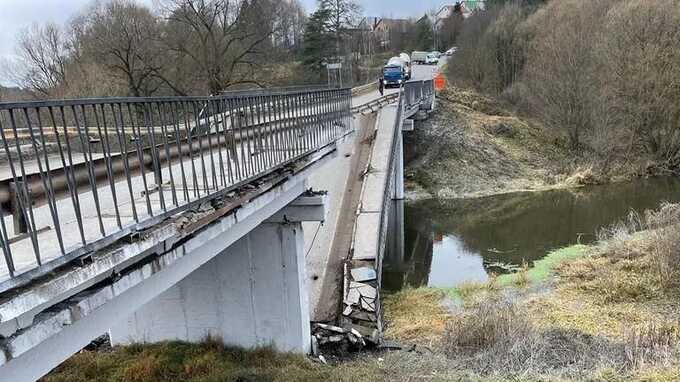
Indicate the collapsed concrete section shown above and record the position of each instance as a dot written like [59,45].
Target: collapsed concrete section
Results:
[382,182]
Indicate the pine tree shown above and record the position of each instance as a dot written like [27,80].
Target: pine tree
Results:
[317,33]
[424,34]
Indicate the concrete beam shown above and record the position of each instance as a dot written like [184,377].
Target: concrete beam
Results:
[303,209]
[361,298]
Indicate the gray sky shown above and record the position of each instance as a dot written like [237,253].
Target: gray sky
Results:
[16,15]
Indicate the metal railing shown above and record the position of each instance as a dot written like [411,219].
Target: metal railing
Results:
[77,175]
[415,92]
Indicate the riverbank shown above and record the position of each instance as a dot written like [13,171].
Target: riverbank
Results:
[474,146]
[609,312]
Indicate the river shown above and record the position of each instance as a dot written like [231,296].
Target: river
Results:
[452,241]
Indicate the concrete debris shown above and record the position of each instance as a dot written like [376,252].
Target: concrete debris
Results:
[364,289]
[331,328]
[315,346]
[347,311]
[205,207]
[333,335]
[363,274]
[353,297]
[368,305]
[370,334]
[360,315]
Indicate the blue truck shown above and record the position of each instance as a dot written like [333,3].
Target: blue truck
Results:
[394,73]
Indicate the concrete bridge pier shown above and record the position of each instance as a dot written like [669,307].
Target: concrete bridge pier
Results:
[251,294]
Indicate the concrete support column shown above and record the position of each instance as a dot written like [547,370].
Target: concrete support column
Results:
[399,167]
[251,294]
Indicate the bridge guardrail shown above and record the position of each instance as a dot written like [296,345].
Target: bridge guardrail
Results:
[119,165]
[415,92]
[365,88]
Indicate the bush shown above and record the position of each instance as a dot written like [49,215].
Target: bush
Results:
[604,73]
[640,62]
[492,47]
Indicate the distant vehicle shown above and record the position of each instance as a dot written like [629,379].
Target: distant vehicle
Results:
[436,53]
[407,65]
[451,51]
[394,73]
[418,57]
[431,59]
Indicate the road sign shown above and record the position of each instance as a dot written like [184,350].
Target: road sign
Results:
[439,82]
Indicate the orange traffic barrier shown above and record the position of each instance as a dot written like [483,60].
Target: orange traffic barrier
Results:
[439,82]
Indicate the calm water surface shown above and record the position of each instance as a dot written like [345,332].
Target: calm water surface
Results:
[448,242]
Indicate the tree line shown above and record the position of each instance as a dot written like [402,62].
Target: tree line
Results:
[184,47]
[605,73]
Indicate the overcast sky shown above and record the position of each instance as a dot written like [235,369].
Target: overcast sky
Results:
[16,15]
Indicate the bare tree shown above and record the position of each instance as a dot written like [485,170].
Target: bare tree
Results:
[219,39]
[560,66]
[450,28]
[123,37]
[640,65]
[43,57]
[344,15]
[289,25]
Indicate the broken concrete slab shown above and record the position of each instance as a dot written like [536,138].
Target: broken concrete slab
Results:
[364,289]
[367,232]
[363,274]
[353,297]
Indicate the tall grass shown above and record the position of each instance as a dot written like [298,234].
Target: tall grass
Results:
[499,336]
[661,242]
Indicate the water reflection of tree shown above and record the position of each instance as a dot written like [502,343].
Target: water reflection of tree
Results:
[523,226]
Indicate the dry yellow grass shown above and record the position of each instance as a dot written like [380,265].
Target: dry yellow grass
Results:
[613,290]
[416,316]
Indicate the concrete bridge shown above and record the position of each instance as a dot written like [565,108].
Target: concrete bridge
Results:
[180,218]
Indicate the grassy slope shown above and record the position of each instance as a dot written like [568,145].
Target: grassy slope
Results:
[597,295]
[474,146]
[491,150]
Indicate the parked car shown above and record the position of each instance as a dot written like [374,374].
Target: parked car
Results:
[431,59]
[418,57]
[451,51]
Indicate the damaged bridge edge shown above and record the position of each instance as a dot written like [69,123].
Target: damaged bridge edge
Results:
[19,310]
[361,310]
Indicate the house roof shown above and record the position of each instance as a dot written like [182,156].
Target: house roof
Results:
[392,24]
